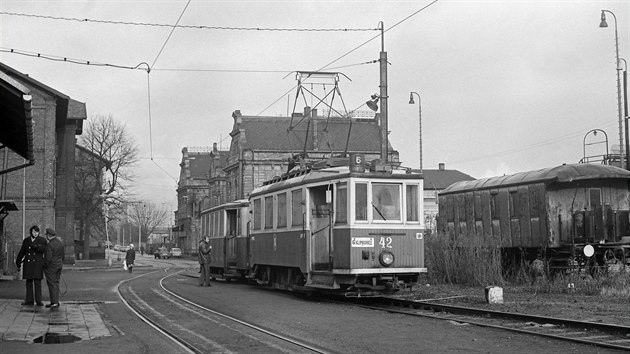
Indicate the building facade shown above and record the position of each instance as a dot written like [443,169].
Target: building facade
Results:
[44,192]
[192,190]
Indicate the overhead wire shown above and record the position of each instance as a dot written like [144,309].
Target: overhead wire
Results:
[177,25]
[149,90]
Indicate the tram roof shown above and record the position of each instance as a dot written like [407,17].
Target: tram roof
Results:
[229,205]
[558,174]
[331,173]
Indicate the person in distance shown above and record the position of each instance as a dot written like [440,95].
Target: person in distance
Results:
[130,257]
[204,261]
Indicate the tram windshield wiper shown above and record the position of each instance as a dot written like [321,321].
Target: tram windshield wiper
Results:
[378,211]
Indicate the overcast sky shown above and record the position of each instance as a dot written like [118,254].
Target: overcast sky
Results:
[505,86]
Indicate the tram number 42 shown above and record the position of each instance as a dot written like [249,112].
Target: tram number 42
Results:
[385,242]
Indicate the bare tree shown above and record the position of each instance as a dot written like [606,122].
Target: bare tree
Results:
[105,157]
[148,216]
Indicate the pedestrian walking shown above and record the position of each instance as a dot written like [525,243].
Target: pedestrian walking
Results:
[53,264]
[204,261]
[130,257]
[31,255]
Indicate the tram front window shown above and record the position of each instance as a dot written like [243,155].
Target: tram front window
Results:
[386,202]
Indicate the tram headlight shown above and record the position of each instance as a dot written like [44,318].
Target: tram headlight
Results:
[386,258]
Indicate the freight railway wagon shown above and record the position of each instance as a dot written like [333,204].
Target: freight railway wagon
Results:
[333,230]
[569,215]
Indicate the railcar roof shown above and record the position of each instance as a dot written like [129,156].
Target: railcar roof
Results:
[330,173]
[559,174]
[229,205]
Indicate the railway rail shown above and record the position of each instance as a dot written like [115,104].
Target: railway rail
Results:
[584,332]
[195,327]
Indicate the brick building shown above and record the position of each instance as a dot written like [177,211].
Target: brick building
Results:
[261,147]
[192,190]
[47,186]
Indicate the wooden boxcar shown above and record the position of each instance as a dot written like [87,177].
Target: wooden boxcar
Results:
[555,212]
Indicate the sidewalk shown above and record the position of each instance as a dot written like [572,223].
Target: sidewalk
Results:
[32,323]
[74,320]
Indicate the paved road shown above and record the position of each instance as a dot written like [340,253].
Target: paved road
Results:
[90,310]
[90,288]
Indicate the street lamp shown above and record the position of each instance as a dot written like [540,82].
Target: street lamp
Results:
[603,24]
[625,110]
[419,121]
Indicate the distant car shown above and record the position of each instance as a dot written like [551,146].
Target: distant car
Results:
[176,252]
[163,253]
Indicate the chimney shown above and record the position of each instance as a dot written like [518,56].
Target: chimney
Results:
[238,117]
[307,111]
[314,112]
[214,148]
[441,166]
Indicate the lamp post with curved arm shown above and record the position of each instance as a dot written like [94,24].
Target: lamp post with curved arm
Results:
[604,24]
[419,121]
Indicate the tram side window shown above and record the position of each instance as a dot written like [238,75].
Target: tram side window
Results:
[360,203]
[269,212]
[257,214]
[412,203]
[282,210]
[341,204]
[385,201]
[296,207]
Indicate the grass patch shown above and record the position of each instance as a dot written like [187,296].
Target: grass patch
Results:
[479,262]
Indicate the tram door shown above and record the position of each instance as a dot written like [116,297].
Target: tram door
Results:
[321,218]
[230,237]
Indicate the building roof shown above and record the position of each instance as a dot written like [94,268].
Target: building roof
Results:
[559,174]
[17,122]
[13,84]
[198,165]
[324,135]
[441,178]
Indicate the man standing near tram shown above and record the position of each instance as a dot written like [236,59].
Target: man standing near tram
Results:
[53,265]
[204,261]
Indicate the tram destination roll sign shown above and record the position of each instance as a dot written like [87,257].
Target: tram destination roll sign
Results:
[362,242]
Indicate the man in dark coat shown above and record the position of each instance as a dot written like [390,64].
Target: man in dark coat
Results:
[130,257]
[204,261]
[52,266]
[31,255]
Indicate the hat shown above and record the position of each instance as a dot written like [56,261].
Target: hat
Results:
[131,245]
[50,232]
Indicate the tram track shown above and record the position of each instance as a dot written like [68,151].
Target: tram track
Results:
[584,332]
[197,328]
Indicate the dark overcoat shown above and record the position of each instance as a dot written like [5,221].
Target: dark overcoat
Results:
[31,258]
[130,257]
[55,254]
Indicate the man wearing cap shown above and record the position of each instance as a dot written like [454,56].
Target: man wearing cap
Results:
[53,263]
[204,261]
[130,257]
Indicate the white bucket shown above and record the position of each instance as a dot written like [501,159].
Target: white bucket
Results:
[494,295]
